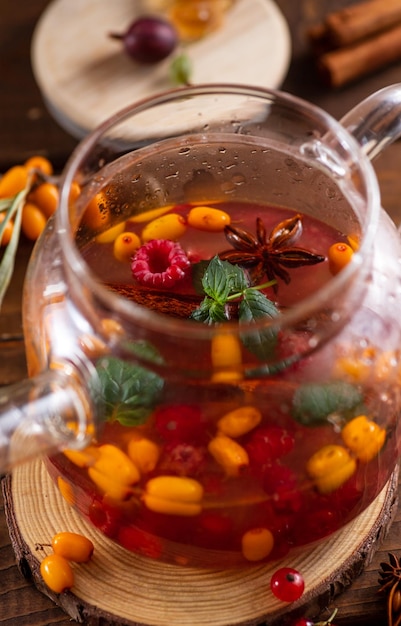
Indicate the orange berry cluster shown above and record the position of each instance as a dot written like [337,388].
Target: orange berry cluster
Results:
[56,568]
[41,200]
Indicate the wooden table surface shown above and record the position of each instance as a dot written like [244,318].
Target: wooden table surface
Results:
[26,128]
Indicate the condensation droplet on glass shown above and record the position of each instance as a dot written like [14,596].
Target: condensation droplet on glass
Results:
[238,179]
[227,187]
[222,150]
[184,151]
[136,178]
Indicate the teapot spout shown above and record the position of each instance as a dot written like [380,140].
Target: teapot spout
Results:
[43,415]
[376,121]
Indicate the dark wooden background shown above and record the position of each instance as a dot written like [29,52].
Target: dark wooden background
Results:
[26,128]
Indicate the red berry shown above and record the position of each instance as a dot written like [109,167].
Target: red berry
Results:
[287,584]
[104,517]
[280,482]
[149,39]
[160,263]
[268,444]
[183,459]
[303,621]
[179,423]
[139,541]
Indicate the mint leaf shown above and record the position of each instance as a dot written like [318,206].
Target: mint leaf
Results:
[216,280]
[313,403]
[210,312]
[128,391]
[253,307]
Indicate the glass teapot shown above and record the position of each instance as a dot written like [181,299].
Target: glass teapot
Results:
[212,326]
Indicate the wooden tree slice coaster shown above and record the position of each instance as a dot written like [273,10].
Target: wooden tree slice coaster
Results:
[119,588]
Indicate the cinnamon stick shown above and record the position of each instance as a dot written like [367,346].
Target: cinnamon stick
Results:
[343,65]
[361,20]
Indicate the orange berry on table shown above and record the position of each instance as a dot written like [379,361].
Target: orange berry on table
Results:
[46,197]
[339,256]
[13,181]
[57,573]
[38,162]
[7,232]
[33,221]
[73,547]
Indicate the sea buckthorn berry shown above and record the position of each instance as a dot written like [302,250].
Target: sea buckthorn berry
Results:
[75,192]
[357,369]
[57,573]
[339,256]
[160,263]
[171,226]
[226,356]
[174,495]
[97,214]
[354,242]
[46,197]
[7,232]
[239,421]
[82,458]
[150,215]
[125,245]
[330,467]
[73,547]
[109,235]
[144,453]
[287,584]
[13,181]
[363,437]
[110,486]
[257,544]
[113,472]
[33,221]
[228,454]
[40,163]
[66,490]
[207,218]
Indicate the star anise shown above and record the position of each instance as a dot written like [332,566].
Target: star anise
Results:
[390,583]
[261,255]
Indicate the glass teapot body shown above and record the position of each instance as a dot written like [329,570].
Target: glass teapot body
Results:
[255,433]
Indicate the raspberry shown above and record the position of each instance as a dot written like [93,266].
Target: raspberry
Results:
[160,263]
[183,459]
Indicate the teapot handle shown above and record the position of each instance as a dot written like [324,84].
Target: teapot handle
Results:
[43,415]
[376,121]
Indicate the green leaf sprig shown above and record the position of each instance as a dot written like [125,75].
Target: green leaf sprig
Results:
[12,210]
[128,390]
[223,283]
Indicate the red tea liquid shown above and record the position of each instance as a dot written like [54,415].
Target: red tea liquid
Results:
[269,494]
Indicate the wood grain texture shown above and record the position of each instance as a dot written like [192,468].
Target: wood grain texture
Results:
[122,588]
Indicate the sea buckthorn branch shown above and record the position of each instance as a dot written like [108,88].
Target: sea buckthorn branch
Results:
[13,211]
[28,197]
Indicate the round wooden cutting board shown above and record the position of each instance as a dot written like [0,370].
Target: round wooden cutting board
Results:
[85,76]
[119,588]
